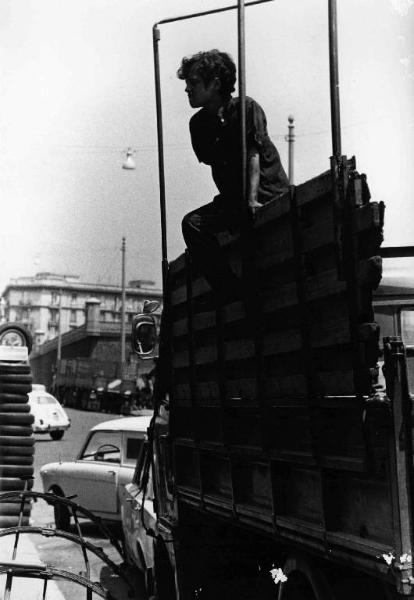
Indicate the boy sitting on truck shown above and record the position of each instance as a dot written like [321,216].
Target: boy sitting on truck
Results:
[215,135]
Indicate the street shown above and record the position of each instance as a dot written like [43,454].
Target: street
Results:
[62,553]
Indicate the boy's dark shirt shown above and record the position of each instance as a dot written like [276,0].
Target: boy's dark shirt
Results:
[216,142]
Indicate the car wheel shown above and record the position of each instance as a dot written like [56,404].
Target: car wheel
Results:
[16,418]
[56,435]
[15,430]
[62,516]
[17,440]
[11,407]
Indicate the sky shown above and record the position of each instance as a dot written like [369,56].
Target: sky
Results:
[77,89]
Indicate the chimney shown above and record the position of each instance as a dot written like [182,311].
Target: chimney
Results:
[93,316]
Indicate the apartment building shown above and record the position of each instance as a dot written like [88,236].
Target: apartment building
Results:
[42,301]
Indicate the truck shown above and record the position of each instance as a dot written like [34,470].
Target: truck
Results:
[280,450]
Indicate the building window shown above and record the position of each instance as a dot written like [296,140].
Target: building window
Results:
[73,317]
[55,298]
[53,317]
[73,298]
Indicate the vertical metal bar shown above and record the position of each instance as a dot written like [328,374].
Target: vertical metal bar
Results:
[290,139]
[334,78]
[242,100]
[156,38]
[401,456]
[123,308]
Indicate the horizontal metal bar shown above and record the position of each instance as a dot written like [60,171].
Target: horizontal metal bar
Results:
[397,251]
[207,12]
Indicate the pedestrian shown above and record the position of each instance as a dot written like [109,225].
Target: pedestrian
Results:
[215,135]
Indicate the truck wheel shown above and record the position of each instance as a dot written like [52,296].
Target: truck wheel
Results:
[304,581]
[22,331]
[56,435]
[164,574]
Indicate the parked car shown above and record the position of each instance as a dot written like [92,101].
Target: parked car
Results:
[136,520]
[97,477]
[48,413]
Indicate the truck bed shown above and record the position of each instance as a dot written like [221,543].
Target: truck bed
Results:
[273,415]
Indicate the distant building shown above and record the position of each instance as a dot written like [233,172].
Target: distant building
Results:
[37,302]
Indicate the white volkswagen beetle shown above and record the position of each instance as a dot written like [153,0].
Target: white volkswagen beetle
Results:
[49,416]
[98,476]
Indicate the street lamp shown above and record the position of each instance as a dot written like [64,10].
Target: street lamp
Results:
[129,162]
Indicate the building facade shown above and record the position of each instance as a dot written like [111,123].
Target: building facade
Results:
[49,304]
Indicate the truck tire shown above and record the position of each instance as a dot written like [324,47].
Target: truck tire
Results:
[7,368]
[21,378]
[12,407]
[15,388]
[164,574]
[10,459]
[15,430]
[12,521]
[16,470]
[16,418]
[16,451]
[304,581]
[13,484]
[17,440]
[13,398]
[13,508]
[56,435]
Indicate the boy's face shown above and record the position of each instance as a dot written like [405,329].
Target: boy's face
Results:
[201,94]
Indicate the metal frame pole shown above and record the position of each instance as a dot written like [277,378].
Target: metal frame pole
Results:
[156,39]
[242,99]
[334,79]
[161,170]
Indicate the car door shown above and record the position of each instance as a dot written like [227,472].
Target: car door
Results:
[97,473]
[132,443]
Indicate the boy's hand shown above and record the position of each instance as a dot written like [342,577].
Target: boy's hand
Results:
[254,206]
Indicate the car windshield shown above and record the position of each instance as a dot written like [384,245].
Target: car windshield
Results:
[45,400]
[103,446]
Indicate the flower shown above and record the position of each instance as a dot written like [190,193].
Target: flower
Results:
[405,558]
[278,576]
[389,558]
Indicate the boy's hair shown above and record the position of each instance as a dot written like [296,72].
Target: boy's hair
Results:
[211,64]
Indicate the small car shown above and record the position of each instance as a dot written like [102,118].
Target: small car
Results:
[136,521]
[48,413]
[97,477]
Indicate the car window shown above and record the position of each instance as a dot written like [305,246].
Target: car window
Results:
[133,449]
[103,446]
[45,400]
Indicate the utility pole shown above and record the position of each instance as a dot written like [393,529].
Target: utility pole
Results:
[59,343]
[290,138]
[123,311]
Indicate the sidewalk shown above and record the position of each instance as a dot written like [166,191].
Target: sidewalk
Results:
[27,588]
[24,588]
